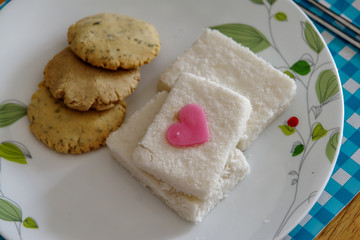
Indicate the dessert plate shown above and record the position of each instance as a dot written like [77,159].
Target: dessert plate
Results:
[47,195]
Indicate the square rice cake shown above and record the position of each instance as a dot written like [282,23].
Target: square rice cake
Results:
[220,59]
[123,141]
[194,170]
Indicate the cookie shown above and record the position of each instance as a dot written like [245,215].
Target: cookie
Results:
[82,86]
[112,41]
[71,131]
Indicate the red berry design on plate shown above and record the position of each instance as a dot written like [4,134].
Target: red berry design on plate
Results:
[293,122]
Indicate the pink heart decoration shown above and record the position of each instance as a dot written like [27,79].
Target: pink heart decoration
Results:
[192,128]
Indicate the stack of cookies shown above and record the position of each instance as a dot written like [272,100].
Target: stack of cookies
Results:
[82,97]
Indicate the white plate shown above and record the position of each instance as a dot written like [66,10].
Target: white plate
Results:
[91,197]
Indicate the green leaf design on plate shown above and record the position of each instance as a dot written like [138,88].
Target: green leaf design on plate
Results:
[271,1]
[312,38]
[287,130]
[298,149]
[258,1]
[290,74]
[316,110]
[318,132]
[301,67]
[10,112]
[13,151]
[244,34]
[9,211]
[29,222]
[332,145]
[280,16]
[326,86]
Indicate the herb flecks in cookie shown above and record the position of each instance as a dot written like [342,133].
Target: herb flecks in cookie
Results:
[83,87]
[114,41]
[71,131]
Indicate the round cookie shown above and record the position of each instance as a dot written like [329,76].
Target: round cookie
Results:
[112,41]
[82,86]
[70,131]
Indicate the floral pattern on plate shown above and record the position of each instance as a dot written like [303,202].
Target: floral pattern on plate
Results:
[10,112]
[305,130]
[326,88]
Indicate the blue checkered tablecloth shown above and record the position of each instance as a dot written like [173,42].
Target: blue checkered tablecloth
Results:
[344,183]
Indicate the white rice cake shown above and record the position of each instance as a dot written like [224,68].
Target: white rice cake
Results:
[220,59]
[194,170]
[122,143]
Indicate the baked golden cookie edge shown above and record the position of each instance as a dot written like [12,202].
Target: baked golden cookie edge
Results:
[113,41]
[82,86]
[71,131]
